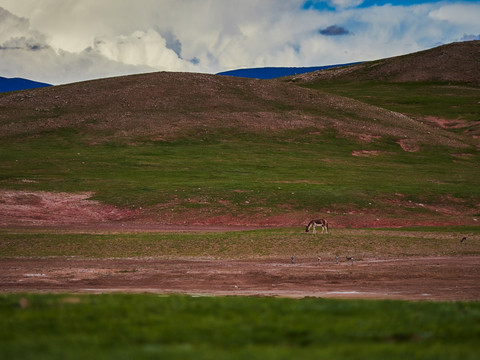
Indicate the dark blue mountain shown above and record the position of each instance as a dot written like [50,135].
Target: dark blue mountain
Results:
[15,84]
[275,72]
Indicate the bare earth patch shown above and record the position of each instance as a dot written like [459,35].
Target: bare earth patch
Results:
[430,278]
[58,208]
[409,145]
[448,124]
[366,153]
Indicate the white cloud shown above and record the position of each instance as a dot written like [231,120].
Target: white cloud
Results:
[60,41]
[140,48]
[27,53]
[462,14]
[13,27]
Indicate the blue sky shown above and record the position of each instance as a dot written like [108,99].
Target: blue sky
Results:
[333,6]
[62,41]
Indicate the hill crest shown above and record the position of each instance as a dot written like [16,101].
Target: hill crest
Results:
[456,63]
[162,106]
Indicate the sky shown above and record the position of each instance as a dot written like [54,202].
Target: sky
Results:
[65,41]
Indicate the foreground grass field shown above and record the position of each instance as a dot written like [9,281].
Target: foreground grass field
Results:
[182,327]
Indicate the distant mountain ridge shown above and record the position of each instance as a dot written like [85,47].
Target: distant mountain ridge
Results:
[15,84]
[277,72]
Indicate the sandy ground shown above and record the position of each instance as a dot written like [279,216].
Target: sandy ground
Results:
[429,278]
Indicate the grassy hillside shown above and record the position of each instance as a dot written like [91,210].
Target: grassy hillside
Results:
[452,107]
[455,63]
[439,86]
[170,106]
[176,146]
[254,177]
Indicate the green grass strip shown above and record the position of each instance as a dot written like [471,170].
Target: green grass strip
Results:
[270,243]
[182,327]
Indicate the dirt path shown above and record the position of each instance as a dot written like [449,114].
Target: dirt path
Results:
[429,278]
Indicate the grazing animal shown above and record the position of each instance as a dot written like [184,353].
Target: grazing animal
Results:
[319,222]
[336,259]
[463,239]
[319,259]
[293,259]
[349,258]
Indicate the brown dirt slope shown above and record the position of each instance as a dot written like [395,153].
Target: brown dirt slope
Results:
[161,106]
[456,63]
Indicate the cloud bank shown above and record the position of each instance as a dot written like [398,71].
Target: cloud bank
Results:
[62,41]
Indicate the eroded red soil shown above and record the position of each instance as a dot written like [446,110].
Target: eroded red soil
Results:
[425,278]
[79,211]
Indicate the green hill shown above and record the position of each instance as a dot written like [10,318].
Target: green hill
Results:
[197,148]
[452,63]
[439,86]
